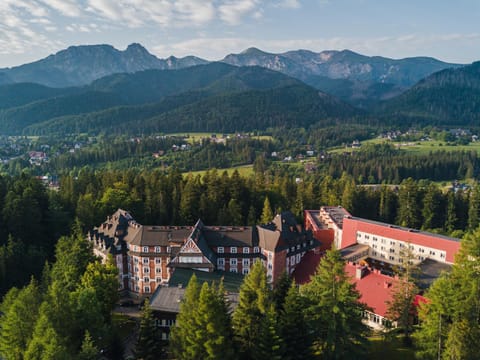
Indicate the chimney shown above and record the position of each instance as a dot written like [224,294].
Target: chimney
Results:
[360,272]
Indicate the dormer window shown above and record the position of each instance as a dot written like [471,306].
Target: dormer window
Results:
[145,249]
[220,250]
[233,249]
[246,250]
[158,249]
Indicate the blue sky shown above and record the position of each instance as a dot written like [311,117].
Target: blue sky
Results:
[448,30]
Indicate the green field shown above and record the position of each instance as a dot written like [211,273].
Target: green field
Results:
[415,147]
[244,170]
[193,137]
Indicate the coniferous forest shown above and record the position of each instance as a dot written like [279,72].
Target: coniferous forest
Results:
[63,298]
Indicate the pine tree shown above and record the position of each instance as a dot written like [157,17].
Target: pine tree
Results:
[182,341]
[449,321]
[400,307]
[408,200]
[450,216]
[213,329]
[18,321]
[293,326]
[280,290]
[474,207]
[334,310]
[269,344]
[89,351]
[267,214]
[254,301]
[148,343]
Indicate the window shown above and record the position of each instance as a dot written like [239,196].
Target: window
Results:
[299,256]
[220,261]
[245,271]
[298,247]
[233,270]
[233,262]
[158,279]
[246,250]
[256,249]
[304,244]
[158,249]
[135,269]
[367,237]
[146,270]
[146,279]
[432,252]
[391,258]
[158,270]
[292,249]
[292,260]
[146,289]
[270,266]
[392,242]
[145,260]
[145,249]
[135,260]
[392,250]
[169,249]
[137,288]
[382,241]
[269,256]
[359,235]
[220,250]
[374,238]
[158,260]
[233,249]
[246,262]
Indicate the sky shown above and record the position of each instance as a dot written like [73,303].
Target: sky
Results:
[445,29]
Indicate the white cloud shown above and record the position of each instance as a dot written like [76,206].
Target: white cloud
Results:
[290,4]
[70,8]
[233,11]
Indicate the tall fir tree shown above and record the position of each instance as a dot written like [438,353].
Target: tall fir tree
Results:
[18,320]
[267,213]
[182,340]
[400,308]
[450,319]
[148,346]
[334,311]
[294,328]
[254,302]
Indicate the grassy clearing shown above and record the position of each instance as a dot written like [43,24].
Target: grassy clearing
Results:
[389,349]
[244,170]
[193,137]
[414,147]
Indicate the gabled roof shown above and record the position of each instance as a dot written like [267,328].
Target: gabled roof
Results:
[159,235]
[230,236]
[282,233]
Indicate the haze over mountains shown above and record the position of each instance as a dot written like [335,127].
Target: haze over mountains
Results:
[100,89]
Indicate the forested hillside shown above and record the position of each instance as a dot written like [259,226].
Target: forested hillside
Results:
[449,97]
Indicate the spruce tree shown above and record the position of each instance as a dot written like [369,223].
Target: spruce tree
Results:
[449,321]
[148,346]
[254,301]
[267,213]
[88,351]
[18,321]
[334,311]
[269,344]
[182,340]
[400,307]
[213,329]
[294,328]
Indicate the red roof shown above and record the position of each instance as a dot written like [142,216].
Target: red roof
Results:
[375,289]
[372,287]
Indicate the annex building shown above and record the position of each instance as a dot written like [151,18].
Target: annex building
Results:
[147,256]
[371,250]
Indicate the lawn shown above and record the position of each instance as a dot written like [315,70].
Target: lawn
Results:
[244,170]
[192,137]
[415,147]
[389,349]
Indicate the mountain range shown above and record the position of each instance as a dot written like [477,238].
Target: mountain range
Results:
[358,79]
[100,89]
